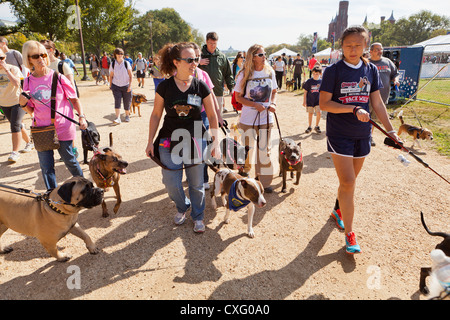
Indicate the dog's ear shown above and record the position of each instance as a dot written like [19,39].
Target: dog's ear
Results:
[244,183]
[65,191]
[101,156]
[299,144]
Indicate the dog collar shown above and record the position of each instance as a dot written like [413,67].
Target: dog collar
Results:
[48,201]
[107,181]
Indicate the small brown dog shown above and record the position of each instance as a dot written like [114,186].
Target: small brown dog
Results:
[136,101]
[416,132]
[291,159]
[50,217]
[237,192]
[106,169]
[290,85]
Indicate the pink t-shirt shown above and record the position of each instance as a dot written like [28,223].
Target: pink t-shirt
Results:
[204,76]
[41,89]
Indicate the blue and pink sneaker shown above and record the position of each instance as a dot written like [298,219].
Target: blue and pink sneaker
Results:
[351,245]
[336,214]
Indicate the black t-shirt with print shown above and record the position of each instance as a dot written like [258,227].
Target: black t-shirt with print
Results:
[183,109]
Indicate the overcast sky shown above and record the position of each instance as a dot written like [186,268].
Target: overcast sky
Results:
[243,23]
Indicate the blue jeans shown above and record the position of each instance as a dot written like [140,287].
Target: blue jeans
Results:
[206,124]
[47,163]
[173,182]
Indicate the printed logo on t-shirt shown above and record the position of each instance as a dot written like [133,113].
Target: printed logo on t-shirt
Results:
[182,110]
[42,93]
[260,90]
[315,88]
[355,91]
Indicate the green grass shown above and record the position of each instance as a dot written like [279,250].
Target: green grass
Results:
[433,116]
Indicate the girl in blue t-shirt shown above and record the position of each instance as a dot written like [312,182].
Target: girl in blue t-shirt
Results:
[347,86]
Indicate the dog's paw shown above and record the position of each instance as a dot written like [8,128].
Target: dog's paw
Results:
[6,250]
[284,190]
[105,214]
[63,257]
[251,233]
[93,250]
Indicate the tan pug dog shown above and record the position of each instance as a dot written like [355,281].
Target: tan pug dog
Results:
[52,218]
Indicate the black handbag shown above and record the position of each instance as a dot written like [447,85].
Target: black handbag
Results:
[45,138]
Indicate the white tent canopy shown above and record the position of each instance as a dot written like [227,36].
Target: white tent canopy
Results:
[324,54]
[284,50]
[436,45]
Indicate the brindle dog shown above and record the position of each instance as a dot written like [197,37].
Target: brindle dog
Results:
[106,168]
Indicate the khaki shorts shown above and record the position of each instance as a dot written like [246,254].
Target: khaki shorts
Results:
[315,109]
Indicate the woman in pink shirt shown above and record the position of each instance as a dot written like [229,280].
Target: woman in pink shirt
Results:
[39,85]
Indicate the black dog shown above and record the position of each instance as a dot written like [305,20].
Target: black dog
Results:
[444,246]
[90,139]
[233,155]
[291,159]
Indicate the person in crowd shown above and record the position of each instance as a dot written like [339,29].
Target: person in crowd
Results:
[120,78]
[216,64]
[94,67]
[347,86]
[10,77]
[69,61]
[388,73]
[311,98]
[181,96]
[141,69]
[203,76]
[279,67]
[105,63]
[312,62]
[298,65]
[238,63]
[256,89]
[155,71]
[13,57]
[38,85]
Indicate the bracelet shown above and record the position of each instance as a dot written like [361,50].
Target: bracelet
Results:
[392,131]
[22,106]
[272,103]
[356,109]
[82,116]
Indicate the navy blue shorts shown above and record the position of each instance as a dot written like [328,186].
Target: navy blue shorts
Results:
[348,147]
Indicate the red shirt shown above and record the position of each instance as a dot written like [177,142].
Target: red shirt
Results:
[312,62]
[105,62]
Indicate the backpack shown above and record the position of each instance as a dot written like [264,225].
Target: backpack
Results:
[114,63]
[61,71]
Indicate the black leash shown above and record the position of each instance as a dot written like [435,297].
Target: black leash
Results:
[398,145]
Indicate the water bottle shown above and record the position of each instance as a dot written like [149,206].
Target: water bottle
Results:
[403,160]
[441,267]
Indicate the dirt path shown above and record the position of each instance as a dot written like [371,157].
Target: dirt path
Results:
[297,253]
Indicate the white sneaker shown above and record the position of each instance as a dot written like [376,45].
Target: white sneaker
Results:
[199,226]
[127,118]
[14,156]
[117,121]
[180,218]
[28,147]
[206,186]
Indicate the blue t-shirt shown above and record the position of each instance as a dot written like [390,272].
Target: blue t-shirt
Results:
[312,92]
[350,86]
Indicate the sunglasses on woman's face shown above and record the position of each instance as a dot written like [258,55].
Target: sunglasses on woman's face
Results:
[260,54]
[2,58]
[36,56]
[190,60]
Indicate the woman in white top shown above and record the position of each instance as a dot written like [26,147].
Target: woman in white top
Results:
[120,79]
[280,66]
[256,89]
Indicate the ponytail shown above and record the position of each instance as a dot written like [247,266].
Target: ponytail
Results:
[169,53]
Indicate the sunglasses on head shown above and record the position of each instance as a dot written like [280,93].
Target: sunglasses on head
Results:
[260,54]
[190,60]
[36,56]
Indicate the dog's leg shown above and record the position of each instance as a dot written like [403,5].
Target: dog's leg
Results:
[424,273]
[54,252]
[251,213]
[139,110]
[105,213]
[3,249]
[80,233]
[298,174]
[283,188]
[226,219]
[119,198]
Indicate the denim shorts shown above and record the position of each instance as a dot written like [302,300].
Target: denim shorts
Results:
[349,147]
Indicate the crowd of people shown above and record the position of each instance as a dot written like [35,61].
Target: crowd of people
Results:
[190,82]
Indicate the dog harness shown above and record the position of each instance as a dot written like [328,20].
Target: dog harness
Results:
[235,202]
[107,181]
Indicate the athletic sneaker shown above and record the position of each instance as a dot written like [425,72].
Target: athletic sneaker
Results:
[180,218]
[13,157]
[308,130]
[351,245]
[317,129]
[28,147]
[117,121]
[127,118]
[199,226]
[336,214]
